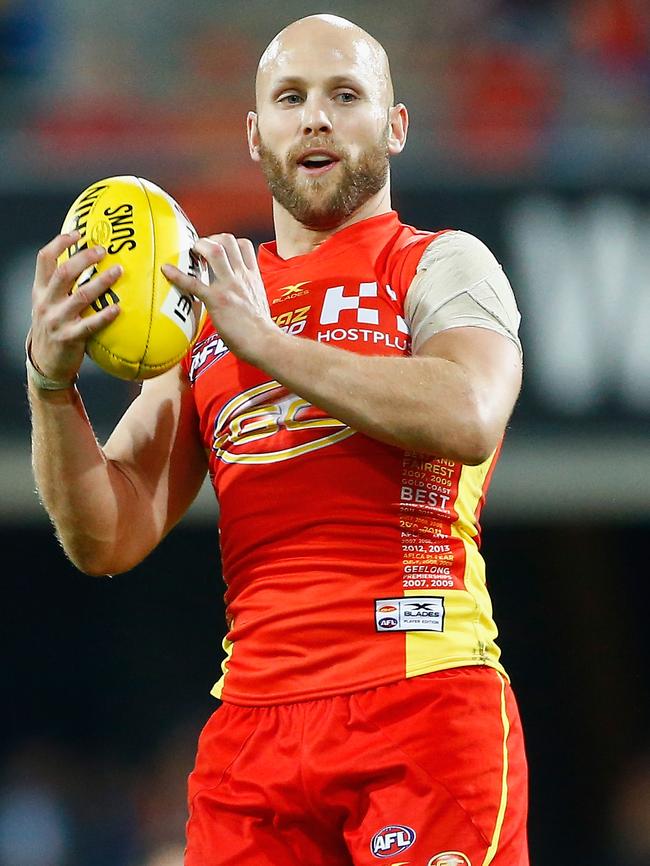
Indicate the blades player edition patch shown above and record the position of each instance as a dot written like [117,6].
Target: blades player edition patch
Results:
[413,613]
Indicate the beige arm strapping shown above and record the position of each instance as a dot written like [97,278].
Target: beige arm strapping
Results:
[459,283]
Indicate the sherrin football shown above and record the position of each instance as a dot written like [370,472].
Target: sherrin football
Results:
[141,228]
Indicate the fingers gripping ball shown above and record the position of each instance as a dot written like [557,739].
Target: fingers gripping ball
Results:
[141,227]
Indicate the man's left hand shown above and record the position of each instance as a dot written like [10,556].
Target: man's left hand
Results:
[235,298]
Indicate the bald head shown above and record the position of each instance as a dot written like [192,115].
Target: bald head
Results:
[325,125]
[337,41]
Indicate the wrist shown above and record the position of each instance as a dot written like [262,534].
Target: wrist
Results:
[263,349]
[38,379]
[279,351]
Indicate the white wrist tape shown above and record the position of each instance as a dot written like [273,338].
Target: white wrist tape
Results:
[39,379]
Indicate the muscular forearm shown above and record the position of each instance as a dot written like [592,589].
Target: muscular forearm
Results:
[79,487]
[424,404]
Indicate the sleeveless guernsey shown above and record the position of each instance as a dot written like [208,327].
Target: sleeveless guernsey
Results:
[348,563]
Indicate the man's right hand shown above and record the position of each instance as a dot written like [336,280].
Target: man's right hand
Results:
[59,333]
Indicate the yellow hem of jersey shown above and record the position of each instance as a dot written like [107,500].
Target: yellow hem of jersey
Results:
[492,850]
[448,663]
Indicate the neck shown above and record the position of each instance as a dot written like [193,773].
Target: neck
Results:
[295,239]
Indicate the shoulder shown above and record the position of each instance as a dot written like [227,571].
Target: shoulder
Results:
[459,283]
[458,251]
[403,253]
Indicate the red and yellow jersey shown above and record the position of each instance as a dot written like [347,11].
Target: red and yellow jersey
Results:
[349,563]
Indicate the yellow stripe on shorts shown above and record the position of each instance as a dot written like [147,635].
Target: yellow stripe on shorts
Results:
[492,850]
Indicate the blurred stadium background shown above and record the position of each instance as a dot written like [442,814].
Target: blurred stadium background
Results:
[530,128]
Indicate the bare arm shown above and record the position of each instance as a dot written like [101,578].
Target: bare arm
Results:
[110,505]
[453,399]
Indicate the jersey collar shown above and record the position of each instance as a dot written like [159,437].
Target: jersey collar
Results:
[363,232]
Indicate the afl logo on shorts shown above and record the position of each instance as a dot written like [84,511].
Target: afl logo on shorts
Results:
[392,840]
[449,858]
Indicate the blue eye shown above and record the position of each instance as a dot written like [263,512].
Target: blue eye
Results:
[346,97]
[290,99]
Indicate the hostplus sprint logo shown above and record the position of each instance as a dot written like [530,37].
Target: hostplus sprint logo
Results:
[335,302]
[360,304]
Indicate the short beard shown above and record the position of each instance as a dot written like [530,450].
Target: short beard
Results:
[361,180]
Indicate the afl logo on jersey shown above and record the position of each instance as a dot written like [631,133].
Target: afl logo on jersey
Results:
[205,354]
[387,622]
[392,840]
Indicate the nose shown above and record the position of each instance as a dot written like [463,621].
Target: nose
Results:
[315,118]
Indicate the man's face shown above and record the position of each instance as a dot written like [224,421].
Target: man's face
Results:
[322,127]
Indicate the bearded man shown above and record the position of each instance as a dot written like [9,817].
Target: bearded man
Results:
[348,395]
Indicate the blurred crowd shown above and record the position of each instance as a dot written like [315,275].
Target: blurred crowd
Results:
[497,88]
[59,807]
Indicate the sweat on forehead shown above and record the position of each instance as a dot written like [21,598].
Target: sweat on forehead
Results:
[320,31]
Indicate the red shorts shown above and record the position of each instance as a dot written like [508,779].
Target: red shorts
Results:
[429,771]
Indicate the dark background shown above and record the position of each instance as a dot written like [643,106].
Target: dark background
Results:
[112,667]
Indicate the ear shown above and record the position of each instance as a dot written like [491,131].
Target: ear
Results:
[253,136]
[398,124]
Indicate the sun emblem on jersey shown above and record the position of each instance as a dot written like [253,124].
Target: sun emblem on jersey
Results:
[267,424]
[288,293]
[450,858]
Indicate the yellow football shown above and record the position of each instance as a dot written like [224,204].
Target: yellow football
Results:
[141,228]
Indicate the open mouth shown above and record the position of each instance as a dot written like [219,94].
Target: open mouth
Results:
[317,163]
